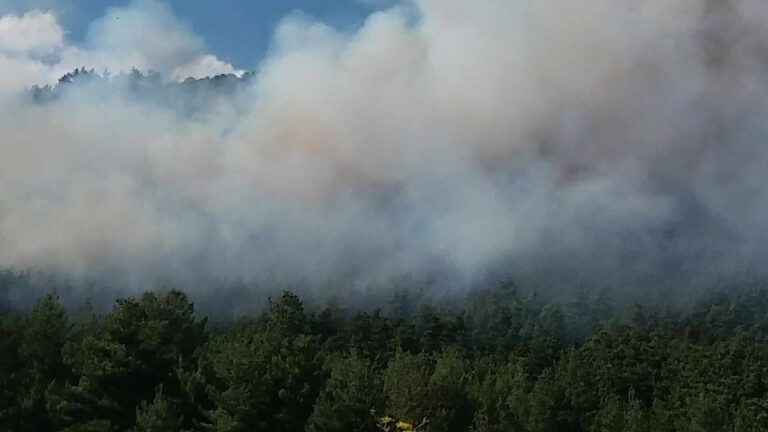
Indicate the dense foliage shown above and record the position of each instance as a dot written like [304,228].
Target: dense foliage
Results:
[505,363]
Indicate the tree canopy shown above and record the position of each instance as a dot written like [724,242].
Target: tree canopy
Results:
[506,363]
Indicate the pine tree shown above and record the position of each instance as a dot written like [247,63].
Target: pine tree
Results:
[352,390]
[157,416]
[45,333]
[406,381]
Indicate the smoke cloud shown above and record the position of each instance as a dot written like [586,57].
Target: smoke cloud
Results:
[605,144]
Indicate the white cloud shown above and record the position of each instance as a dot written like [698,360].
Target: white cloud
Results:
[149,30]
[34,33]
[204,66]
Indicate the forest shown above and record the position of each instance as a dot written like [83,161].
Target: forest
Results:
[503,360]
[444,216]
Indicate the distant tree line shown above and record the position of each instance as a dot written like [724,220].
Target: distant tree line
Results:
[191,96]
[506,362]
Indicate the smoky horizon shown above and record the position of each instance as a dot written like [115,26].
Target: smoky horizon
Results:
[440,146]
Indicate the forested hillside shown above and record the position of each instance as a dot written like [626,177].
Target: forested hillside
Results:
[383,215]
[504,362]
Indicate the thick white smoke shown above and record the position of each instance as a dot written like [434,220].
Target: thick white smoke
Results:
[601,142]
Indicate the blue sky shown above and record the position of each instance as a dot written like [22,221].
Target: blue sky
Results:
[237,31]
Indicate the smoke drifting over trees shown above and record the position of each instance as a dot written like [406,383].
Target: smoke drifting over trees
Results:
[609,144]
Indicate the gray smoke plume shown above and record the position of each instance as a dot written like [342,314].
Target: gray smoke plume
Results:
[602,143]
